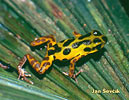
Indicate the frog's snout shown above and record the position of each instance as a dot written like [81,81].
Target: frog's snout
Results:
[105,39]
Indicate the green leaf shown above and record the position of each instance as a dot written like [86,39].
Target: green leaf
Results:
[21,21]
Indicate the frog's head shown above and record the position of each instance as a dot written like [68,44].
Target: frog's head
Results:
[98,40]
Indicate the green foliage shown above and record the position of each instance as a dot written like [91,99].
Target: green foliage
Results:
[23,20]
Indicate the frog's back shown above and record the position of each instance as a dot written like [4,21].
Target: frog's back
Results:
[83,45]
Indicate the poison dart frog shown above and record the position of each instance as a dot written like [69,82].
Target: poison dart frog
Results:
[70,49]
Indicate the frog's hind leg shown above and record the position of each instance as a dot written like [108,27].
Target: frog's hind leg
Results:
[50,39]
[39,67]
[76,34]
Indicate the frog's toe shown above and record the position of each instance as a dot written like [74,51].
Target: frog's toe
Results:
[65,73]
[75,75]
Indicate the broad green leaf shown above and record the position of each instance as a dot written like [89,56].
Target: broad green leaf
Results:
[21,21]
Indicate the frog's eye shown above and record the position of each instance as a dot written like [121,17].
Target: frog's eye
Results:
[96,33]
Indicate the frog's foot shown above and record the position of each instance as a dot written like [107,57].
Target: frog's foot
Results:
[74,75]
[3,66]
[23,74]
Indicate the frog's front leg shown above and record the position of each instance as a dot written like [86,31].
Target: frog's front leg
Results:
[72,68]
[39,67]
